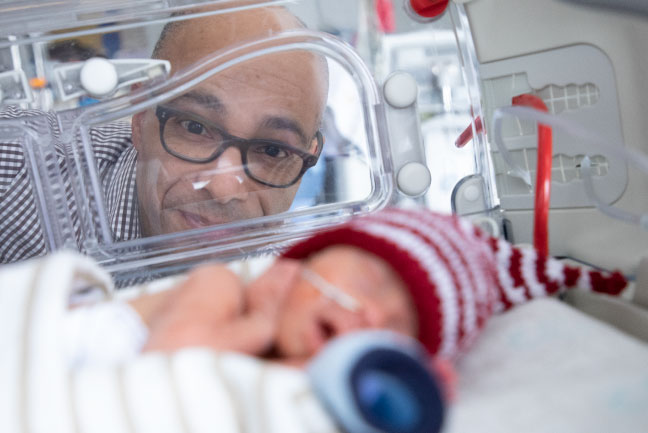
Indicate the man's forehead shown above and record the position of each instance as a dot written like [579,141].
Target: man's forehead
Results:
[188,41]
[297,72]
[294,83]
[268,87]
[266,118]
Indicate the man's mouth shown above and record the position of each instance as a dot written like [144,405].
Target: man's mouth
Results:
[194,220]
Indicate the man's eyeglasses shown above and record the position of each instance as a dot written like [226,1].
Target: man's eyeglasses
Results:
[195,139]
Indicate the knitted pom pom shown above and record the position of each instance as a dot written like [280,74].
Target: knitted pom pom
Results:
[611,284]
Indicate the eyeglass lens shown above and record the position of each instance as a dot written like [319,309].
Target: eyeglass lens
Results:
[270,162]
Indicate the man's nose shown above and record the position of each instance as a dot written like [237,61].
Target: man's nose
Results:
[224,179]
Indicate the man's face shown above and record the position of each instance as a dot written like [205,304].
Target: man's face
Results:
[278,97]
[308,319]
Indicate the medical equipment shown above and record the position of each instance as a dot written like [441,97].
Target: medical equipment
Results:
[431,75]
[378,381]
[331,291]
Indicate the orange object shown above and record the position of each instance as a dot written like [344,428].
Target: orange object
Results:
[543,177]
[37,82]
[429,8]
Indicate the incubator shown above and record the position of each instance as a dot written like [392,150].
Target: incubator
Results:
[133,137]
[351,140]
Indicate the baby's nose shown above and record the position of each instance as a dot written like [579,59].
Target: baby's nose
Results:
[339,321]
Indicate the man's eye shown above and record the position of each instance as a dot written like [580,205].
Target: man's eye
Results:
[272,151]
[193,127]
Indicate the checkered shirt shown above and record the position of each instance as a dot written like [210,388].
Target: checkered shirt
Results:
[21,231]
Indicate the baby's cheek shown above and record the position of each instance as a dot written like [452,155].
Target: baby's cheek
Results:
[287,342]
[405,317]
[293,326]
[392,313]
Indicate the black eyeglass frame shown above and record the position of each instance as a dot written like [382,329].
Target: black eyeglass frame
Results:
[242,144]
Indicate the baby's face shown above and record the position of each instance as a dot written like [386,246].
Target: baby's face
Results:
[377,298]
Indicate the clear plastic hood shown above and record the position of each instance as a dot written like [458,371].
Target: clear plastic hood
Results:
[202,131]
[82,16]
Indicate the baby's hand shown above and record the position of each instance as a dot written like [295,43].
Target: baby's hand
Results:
[212,309]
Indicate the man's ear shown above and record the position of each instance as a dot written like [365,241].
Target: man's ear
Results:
[136,129]
[314,148]
[136,122]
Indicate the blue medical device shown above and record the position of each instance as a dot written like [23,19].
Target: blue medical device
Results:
[378,381]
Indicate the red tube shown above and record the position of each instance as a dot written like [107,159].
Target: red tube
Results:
[429,8]
[543,177]
[385,14]
[467,135]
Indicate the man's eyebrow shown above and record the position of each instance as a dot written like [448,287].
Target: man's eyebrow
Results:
[207,100]
[285,123]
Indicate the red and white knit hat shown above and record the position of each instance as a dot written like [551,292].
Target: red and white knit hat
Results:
[457,275]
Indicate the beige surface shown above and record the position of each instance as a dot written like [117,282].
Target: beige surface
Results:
[630,318]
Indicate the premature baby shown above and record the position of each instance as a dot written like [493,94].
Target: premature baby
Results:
[435,277]
[418,273]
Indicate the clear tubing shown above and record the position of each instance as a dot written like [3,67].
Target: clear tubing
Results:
[331,291]
[638,159]
[611,211]
[514,169]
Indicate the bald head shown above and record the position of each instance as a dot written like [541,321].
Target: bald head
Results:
[185,42]
[233,27]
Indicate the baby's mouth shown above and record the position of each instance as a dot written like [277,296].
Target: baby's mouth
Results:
[326,329]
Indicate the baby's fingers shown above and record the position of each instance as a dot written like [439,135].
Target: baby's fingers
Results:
[266,293]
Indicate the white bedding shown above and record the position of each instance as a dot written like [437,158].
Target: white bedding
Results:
[543,367]
[546,367]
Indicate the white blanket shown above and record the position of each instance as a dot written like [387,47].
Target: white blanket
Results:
[542,367]
[546,367]
[189,391]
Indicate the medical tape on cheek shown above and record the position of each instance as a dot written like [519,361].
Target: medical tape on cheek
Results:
[331,291]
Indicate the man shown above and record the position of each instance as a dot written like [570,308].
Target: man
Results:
[276,100]
[232,148]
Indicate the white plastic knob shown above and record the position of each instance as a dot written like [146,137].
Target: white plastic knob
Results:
[472,193]
[414,179]
[99,77]
[401,90]
[487,224]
